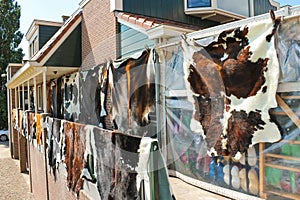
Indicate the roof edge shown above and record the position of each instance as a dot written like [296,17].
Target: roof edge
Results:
[147,22]
[83,3]
[42,53]
[37,22]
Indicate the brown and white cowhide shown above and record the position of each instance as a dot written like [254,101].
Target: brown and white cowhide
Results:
[132,82]
[233,82]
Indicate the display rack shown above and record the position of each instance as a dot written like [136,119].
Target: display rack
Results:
[276,160]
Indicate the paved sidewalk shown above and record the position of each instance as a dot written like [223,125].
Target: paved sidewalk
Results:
[13,184]
[185,191]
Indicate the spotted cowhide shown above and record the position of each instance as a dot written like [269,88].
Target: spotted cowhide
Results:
[71,104]
[233,82]
[55,139]
[105,158]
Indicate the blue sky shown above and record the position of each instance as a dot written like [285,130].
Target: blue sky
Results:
[288,2]
[52,10]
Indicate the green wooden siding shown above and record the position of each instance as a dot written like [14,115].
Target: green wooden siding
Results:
[45,33]
[132,41]
[69,53]
[262,6]
[165,9]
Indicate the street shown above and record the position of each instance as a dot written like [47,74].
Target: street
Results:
[13,184]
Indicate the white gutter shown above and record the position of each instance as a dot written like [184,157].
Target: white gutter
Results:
[83,3]
[165,31]
[27,72]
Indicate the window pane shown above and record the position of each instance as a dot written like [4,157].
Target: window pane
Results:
[198,3]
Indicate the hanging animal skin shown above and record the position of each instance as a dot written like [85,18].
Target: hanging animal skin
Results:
[133,90]
[233,82]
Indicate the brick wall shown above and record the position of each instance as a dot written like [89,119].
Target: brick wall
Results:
[98,33]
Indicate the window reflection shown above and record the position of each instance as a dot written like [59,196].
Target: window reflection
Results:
[198,3]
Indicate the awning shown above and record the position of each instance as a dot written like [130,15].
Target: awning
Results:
[30,70]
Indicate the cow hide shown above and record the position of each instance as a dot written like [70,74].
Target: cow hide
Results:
[39,129]
[93,90]
[126,161]
[54,144]
[133,91]
[114,175]
[32,126]
[233,82]
[71,97]
[74,154]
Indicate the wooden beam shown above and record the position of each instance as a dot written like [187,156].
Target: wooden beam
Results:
[288,87]
[208,16]
[282,157]
[261,171]
[283,167]
[288,111]
[291,141]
